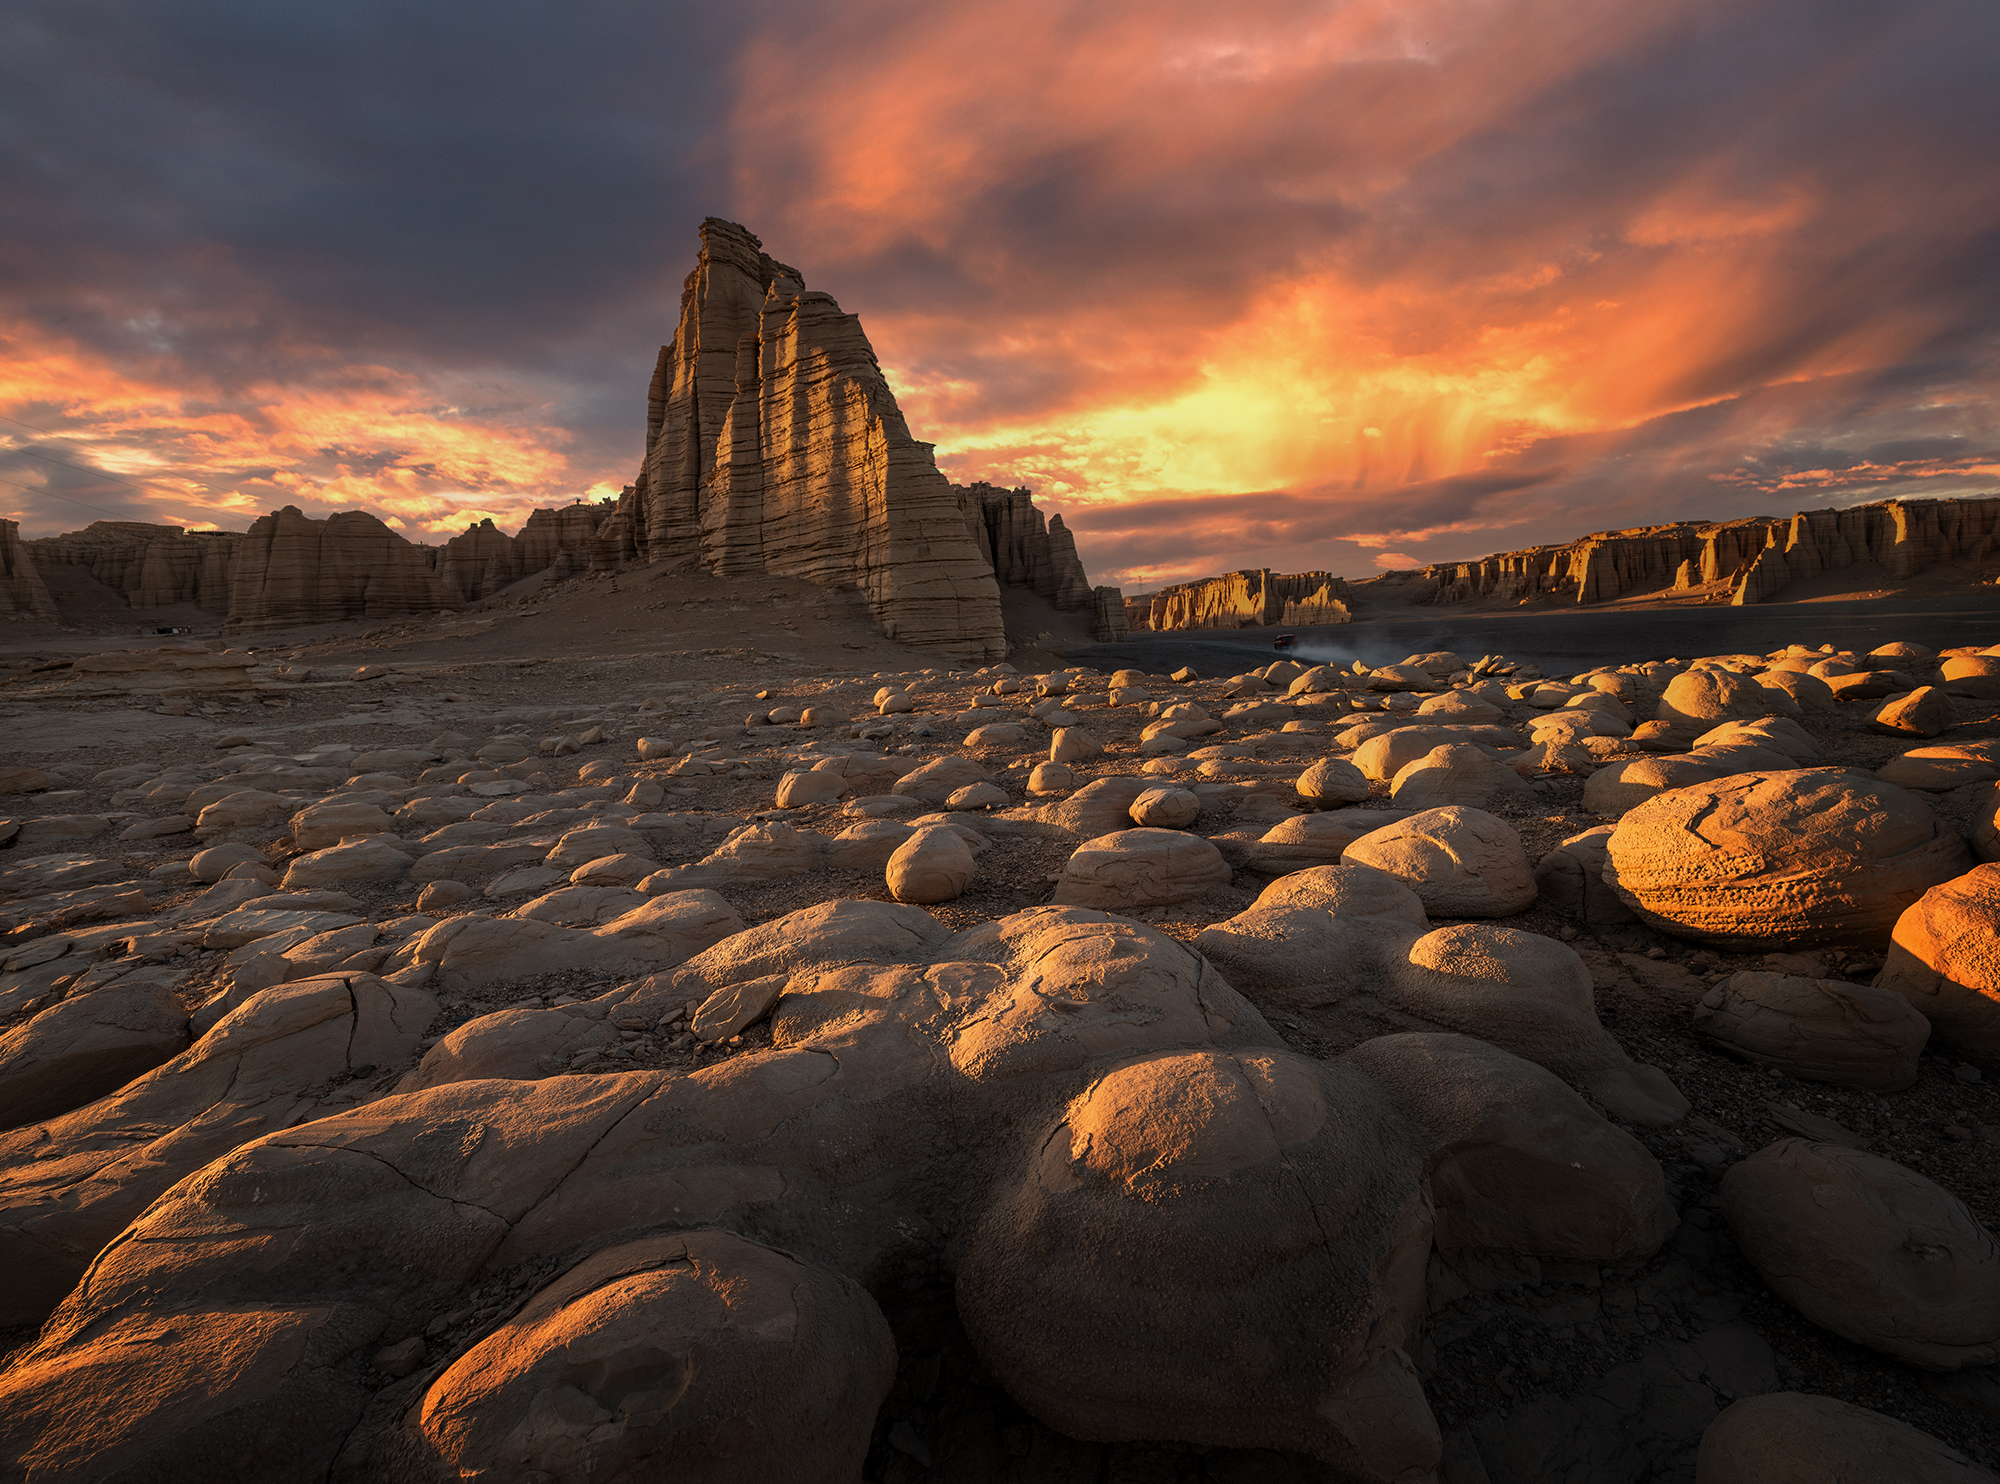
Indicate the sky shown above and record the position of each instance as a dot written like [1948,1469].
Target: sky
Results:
[1350,285]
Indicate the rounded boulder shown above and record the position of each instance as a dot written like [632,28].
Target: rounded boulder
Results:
[1821,1030]
[1132,869]
[1460,862]
[933,865]
[1869,1249]
[1796,859]
[1944,958]
[1792,1437]
[703,1354]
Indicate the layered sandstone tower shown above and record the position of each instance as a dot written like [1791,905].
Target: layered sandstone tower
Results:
[774,445]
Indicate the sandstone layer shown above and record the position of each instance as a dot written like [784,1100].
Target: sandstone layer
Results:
[1251,598]
[774,445]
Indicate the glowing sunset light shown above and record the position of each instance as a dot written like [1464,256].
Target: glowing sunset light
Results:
[1294,284]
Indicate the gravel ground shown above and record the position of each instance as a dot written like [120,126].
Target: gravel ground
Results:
[1541,1372]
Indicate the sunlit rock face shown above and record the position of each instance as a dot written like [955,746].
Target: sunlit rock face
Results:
[1250,598]
[1029,551]
[1746,560]
[774,445]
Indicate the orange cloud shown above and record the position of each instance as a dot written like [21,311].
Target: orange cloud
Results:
[1126,252]
[185,451]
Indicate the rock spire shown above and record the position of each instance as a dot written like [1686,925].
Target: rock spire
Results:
[774,445]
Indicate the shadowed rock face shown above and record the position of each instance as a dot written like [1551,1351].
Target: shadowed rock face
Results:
[21,587]
[1027,551]
[1162,1224]
[289,569]
[774,445]
[151,566]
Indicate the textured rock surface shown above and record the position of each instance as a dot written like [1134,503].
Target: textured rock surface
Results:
[1350,949]
[1790,1437]
[773,444]
[1944,958]
[923,1088]
[1130,870]
[1795,859]
[69,1185]
[1870,1250]
[1820,1029]
[89,1045]
[1570,878]
[1460,862]
[736,1362]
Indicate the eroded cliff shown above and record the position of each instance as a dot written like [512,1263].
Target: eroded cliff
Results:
[1748,561]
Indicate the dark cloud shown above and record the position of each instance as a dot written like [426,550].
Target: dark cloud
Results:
[1282,284]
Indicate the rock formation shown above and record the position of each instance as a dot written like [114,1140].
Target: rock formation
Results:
[483,559]
[1328,605]
[22,591]
[151,566]
[921,1110]
[1236,600]
[774,445]
[290,569]
[1755,558]
[1026,552]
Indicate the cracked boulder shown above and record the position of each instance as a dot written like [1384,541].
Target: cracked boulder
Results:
[1849,1035]
[1004,1106]
[89,1045]
[70,1184]
[701,1354]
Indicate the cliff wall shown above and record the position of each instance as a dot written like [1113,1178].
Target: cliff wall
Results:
[482,559]
[290,569]
[1757,556]
[1246,599]
[23,594]
[1754,558]
[152,566]
[1027,550]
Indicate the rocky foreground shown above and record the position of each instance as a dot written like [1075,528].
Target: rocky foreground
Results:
[691,1068]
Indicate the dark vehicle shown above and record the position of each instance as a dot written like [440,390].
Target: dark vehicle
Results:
[1284,641]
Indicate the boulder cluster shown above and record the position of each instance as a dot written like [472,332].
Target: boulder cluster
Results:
[586,1095]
